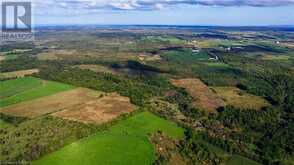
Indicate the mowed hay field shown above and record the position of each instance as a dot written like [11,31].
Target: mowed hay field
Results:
[127,143]
[240,99]
[18,74]
[204,97]
[80,104]
[98,111]
[28,88]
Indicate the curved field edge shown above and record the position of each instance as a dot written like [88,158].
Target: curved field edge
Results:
[28,88]
[125,143]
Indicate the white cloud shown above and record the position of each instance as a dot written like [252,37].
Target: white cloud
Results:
[154,4]
[87,6]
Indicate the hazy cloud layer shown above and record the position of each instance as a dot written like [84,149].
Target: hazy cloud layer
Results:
[71,7]
[158,4]
[95,5]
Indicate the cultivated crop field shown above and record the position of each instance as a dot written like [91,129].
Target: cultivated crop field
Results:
[126,142]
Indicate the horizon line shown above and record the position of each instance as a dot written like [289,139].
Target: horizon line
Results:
[181,25]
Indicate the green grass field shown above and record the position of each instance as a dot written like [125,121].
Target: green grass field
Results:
[276,57]
[11,57]
[125,143]
[240,160]
[186,56]
[28,88]
[11,87]
[170,39]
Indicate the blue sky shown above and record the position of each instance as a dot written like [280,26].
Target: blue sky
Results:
[172,12]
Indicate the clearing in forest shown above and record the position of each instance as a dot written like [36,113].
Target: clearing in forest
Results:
[125,143]
[204,97]
[96,68]
[240,99]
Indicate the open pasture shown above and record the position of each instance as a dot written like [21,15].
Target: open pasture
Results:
[49,104]
[19,74]
[12,87]
[148,57]
[205,98]
[240,99]
[99,110]
[125,143]
[53,54]
[276,57]
[28,88]
[80,104]
[288,44]
[186,56]
[96,68]
[168,39]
